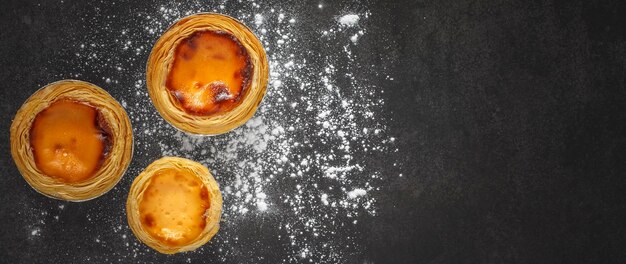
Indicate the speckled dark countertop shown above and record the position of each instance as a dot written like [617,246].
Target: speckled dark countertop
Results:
[509,119]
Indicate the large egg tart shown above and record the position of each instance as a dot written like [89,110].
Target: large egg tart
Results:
[71,140]
[174,205]
[207,74]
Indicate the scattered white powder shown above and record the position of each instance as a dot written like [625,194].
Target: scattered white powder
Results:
[354,38]
[349,20]
[305,163]
[261,205]
[258,19]
[324,199]
[356,193]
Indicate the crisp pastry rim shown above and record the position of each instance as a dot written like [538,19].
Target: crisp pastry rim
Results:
[143,180]
[115,163]
[160,62]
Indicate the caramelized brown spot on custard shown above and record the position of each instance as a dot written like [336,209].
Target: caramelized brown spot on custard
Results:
[70,141]
[173,207]
[148,220]
[210,73]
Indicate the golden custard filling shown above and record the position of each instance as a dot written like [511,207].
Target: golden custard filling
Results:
[210,73]
[173,207]
[69,141]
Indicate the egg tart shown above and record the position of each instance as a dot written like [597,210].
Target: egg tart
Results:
[207,74]
[71,140]
[174,205]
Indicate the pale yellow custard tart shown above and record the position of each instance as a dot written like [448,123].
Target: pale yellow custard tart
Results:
[174,205]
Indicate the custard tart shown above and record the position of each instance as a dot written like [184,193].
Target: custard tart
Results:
[71,140]
[207,74]
[174,205]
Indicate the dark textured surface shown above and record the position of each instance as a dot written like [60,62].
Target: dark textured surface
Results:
[510,118]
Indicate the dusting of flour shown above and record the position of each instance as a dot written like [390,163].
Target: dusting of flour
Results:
[300,166]
[349,20]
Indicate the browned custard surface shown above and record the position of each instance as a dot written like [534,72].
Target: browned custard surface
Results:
[173,207]
[69,141]
[210,73]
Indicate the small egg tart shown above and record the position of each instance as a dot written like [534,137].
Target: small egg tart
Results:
[207,74]
[71,141]
[174,205]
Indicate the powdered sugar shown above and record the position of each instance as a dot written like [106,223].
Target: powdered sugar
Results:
[356,193]
[349,20]
[301,164]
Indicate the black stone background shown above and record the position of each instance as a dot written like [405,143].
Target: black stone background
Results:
[510,117]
